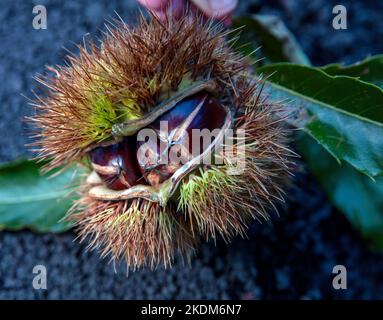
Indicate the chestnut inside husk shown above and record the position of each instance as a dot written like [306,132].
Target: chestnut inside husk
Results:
[121,166]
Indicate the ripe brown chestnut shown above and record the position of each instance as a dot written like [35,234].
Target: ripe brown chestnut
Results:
[117,164]
[174,129]
[131,162]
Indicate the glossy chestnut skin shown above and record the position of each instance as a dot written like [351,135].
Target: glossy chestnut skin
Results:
[200,111]
[120,158]
[210,116]
[121,166]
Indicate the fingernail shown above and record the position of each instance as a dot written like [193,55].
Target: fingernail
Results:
[154,4]
[216,8]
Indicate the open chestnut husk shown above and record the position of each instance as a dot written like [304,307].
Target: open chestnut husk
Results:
[182,72]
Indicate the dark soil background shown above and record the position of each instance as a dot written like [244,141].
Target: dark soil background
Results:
[292,258]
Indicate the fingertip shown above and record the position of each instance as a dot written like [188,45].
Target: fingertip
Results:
[155,5]
[216,9]
[174,8]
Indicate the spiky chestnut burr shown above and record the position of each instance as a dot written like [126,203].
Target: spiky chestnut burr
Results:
[183,73]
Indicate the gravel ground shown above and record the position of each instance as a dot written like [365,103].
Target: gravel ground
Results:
[292,258]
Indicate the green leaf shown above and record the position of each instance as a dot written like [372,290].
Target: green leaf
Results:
[355,194]
[268,32]
[343,114]
[369,70]
[30,200]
